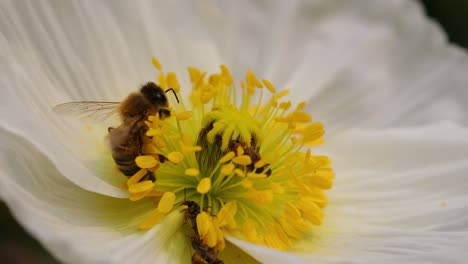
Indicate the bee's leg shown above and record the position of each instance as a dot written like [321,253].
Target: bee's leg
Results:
[148,177]
[162,158]
[109,129]
[265,169]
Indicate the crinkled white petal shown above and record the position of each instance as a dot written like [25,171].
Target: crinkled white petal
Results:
[358,63]
[56,52]
[367,64]
[400,195]
[78,226]
[265,254]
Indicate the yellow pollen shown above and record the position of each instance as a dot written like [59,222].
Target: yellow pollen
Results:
[226,215]
[159,143]
[253,175]
[277,188]
[195,75]
[285,105]
[204,186]
[184,115]
[242,160]
[262,162]
[136,177]
[227,169]
[261,197]
[156,63]
[140,187]
[192,172]
[209,230]
[138,196]
[175,157]
[226,75]
[227,157]
[239,173]
[269,86]
[162,81]
[249,231]
[300,106]
[313,132]
[301,117]
[172,81]
[280,95]
[146,161]
[166,203]
[246,183]
[240,151]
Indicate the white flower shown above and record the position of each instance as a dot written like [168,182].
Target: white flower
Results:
[390,90]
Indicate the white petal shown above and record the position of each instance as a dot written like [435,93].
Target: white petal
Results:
[58,52]
[399,195]
[265,254]
[360,63]
[79,226]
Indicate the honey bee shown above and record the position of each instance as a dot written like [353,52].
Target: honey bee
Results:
[203,254]
[127,141]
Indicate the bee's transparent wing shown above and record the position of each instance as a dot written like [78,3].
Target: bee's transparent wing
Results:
[89,110]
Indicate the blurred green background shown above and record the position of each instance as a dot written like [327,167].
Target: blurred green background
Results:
[17,247]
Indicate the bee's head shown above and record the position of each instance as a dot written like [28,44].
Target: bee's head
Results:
[154,94]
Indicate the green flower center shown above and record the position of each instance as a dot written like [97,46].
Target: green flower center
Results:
[248,164]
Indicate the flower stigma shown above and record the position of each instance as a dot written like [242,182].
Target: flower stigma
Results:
[243,158]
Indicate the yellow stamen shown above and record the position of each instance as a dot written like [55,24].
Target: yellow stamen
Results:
[138,196]
[162,81]
[172,82]
[239,173]
[269,86]
[140,187]
[184,115]
[261,197]
[242,160]
[204,186]
[156,63]
[277,188]
[226,215]
[136,177]
[280,95]
[166,203]
[249,231]
[195,75]
[227,169]
[262,162]
[246,183]
[153,219]
[227,157]
[146,161]
[192,172]
[240,151]
[175,157]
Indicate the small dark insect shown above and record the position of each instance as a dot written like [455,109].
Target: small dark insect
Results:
[193,209]
[252,152]
[203,254]
[127,140]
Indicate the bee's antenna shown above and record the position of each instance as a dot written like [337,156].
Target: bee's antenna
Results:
[171,89]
